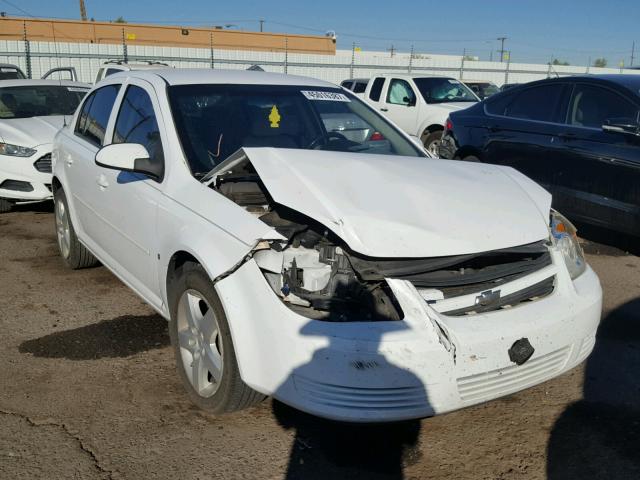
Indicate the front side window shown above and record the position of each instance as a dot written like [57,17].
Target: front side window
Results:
[93,119]
[400,93]
[376,89]
[443,90]
[592,106]
[214,121]
[39,100]
[136,123]
[537,103]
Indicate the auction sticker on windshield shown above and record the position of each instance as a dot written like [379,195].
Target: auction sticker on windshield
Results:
[329,96]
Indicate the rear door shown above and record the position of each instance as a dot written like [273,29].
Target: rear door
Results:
[79,162]
[401,105]
[522,128]
[598,172]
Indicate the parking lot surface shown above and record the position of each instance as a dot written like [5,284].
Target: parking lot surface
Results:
[88,389]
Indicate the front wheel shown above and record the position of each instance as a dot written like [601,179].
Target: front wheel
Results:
[5,205]
[202,344]
[74,253]
[431,142]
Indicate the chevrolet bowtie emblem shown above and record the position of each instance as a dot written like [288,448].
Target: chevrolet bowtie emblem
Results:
[488,298]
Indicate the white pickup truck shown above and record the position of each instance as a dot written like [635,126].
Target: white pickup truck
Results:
[418,103]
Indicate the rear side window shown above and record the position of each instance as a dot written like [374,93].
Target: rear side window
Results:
[346,84]
[94,116]
[537,103]
[137,123]
[592,106]
[359,87]
[111,71]
[498,105]
[376,89]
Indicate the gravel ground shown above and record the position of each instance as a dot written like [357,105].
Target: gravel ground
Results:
[88,389]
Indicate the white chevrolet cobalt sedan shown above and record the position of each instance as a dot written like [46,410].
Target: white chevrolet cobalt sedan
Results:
[302,247]
[31,113]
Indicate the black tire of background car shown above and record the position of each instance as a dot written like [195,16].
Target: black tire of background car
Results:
[471,158]
[429,138]
[232,394]
[5,205]
[79,256]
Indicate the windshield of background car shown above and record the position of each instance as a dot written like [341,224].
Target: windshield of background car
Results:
[214,121]
[39,100]
[442,90]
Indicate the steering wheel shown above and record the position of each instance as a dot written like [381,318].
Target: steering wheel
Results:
[449,96]
[315,143]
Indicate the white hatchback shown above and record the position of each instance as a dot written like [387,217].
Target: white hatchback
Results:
[345,273]
[31,113]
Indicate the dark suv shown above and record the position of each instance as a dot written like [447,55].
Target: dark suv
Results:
[579,137]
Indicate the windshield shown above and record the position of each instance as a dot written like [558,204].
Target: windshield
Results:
[483,90]
[39,100]
[442,90]
[214,121]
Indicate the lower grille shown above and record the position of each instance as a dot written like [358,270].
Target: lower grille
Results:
[503,381]
[362,398]
[17,186]
[43,164]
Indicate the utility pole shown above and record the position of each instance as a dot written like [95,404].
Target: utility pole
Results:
[261,25]
[501,39]
[83,11]
[411,59]
[391,50]
[633,52]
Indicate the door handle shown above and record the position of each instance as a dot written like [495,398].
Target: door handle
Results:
[102,182]
[384,109]
[567,136]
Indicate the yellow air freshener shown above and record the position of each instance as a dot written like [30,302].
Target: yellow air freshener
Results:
[274,117]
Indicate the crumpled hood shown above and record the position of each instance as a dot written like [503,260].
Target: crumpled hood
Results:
[392,206]
[30,132]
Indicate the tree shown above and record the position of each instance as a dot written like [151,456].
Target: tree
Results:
[600,62]
[560,62]
[120,19]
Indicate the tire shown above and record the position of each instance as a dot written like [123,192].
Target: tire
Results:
[471,158]
[74,254]
[431,142]
[195,305]
[5,205]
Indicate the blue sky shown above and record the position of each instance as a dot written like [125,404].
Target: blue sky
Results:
[573,30]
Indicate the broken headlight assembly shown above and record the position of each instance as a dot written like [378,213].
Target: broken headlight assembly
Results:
[564,237]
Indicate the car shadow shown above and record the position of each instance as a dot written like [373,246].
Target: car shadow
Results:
[600,241]
[598,437]
[45,206]
[120,337]
[331,449]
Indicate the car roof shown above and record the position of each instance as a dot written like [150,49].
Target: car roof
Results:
[628,81]
[412,75]
[24,82]
[191,76]
[134,66]
[356,80]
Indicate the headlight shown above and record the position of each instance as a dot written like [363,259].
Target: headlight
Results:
[15,150]
[564,237]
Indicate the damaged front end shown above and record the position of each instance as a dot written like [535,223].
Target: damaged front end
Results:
[312,270]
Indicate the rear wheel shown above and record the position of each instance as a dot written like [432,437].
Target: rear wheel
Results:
[74,253]
[431,142]
[5,205]
[471,158]
[203,348]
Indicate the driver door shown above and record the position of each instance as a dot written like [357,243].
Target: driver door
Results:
[129,201]
[401,105]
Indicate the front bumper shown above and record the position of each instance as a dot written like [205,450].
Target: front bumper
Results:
[23,170]
[424,365]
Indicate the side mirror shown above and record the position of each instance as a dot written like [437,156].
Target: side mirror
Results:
[622,125]
[129,157]
[409,102]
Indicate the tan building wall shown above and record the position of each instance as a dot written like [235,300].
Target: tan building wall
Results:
[12,28]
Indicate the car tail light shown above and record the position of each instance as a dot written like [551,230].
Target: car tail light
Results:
[376,137]
[448,125]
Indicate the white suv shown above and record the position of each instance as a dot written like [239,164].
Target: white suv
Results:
[419,104]
[348,275]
